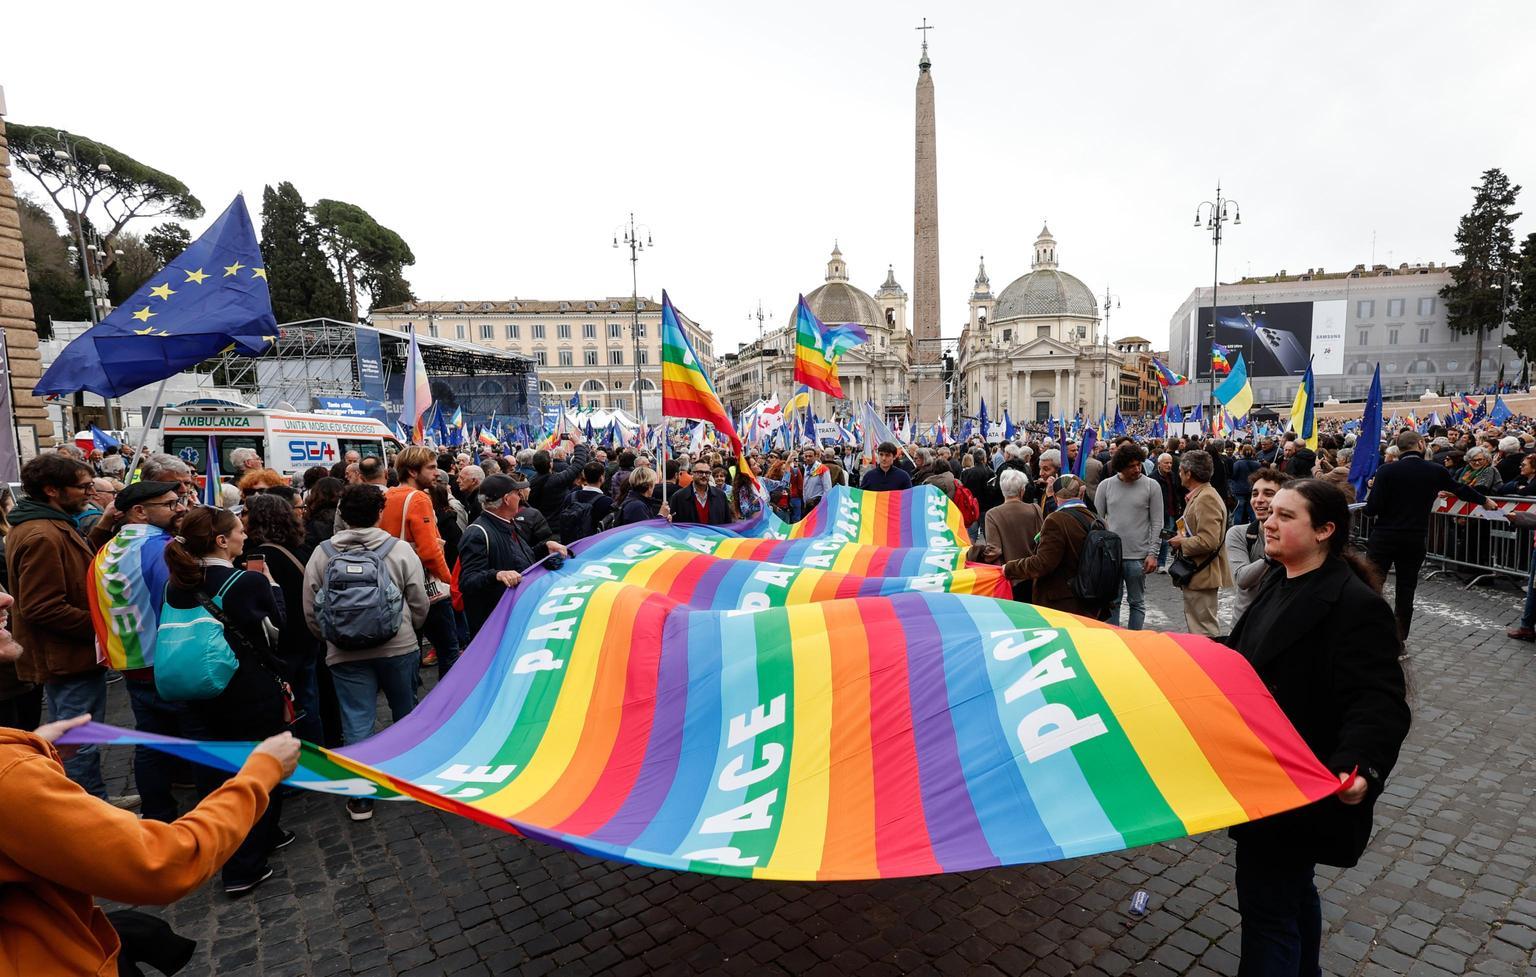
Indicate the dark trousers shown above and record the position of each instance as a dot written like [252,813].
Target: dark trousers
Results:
[1282,917]
[1408,556]
[153,770]
[23,711]
[442,630]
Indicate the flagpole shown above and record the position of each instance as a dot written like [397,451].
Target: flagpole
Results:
[138,453]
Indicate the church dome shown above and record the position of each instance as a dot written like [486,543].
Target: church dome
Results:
[1046,290]
[840,301]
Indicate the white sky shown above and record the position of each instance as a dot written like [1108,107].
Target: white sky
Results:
[506,144]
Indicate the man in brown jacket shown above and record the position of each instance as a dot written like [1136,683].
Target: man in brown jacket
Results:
[49,564]
[1202,542]
[1054,562]
[1013,526]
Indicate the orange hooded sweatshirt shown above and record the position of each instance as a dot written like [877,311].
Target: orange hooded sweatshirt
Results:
[59,846]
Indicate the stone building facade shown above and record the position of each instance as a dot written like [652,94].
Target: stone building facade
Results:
[1036,349]
[582,347]
[30,423]
[879,371]
[1140,393]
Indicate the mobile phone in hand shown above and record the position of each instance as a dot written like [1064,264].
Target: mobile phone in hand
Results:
[256,564]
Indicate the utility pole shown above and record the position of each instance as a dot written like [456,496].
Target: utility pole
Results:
[1220,211]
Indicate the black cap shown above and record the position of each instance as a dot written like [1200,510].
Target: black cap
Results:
[495,487]
[140,492]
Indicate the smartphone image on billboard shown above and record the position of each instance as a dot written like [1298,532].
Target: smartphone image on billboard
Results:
[1284,347]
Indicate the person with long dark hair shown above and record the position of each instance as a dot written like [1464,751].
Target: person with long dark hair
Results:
[1324,641]
[320,510]
[252,706]
[274,534]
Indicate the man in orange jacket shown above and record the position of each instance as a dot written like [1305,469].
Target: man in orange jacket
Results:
[51,863]
[409,516]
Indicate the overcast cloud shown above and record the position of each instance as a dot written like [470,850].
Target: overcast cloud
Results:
[507,143]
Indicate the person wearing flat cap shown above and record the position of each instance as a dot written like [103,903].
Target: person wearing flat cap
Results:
[134,561]
[492,553]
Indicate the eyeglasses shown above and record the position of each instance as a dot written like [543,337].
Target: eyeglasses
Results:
[85,486]
[174,504]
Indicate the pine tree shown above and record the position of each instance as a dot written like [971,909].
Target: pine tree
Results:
[1474,301]
[1522,301]
[298,276]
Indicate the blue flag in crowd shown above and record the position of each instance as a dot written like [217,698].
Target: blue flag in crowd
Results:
[1090,437]
[102,440]
[213,296]
[1175,414]
[1119,422]
[1501,412]
[211,493]
[986,429]
[1368,443]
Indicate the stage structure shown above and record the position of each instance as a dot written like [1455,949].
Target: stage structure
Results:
[324,359]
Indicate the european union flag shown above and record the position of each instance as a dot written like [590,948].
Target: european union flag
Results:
[212,297]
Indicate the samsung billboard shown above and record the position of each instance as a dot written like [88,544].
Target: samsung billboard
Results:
[1276,340]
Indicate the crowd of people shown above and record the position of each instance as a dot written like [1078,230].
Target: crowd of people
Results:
[340,585]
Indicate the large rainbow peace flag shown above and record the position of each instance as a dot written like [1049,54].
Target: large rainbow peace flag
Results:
[672,698]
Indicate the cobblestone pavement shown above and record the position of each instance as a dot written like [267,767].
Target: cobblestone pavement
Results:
[1446,887]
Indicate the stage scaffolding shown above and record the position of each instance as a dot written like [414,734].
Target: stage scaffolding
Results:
[318,358]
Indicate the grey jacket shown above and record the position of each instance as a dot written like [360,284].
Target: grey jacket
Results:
[406,571]
[1134,512]
[1248,565]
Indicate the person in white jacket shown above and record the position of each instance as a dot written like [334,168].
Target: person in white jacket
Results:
[1245,541]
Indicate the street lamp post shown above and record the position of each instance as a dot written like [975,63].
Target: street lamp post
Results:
[630,236]
[1217,213]
[762,351]
[1110,301]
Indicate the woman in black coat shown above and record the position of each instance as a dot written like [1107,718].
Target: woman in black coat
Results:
[639,502]
[1323,640]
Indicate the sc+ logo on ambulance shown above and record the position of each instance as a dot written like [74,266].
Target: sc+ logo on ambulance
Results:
[311,451]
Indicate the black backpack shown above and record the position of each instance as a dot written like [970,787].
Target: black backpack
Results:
[1098,579]
[574,520]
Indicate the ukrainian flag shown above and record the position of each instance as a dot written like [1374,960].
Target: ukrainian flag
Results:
[1302,408]
[1235,392]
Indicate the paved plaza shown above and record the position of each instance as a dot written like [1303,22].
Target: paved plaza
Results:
[1446,887]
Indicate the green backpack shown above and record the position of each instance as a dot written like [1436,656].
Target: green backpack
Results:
[193,658]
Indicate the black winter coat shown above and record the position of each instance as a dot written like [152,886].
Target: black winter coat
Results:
[684,509]
[1403,492]
[488,546]
[1333,669]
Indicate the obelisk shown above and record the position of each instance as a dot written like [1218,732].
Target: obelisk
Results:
[927,384]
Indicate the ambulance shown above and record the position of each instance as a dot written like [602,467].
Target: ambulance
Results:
[287,441]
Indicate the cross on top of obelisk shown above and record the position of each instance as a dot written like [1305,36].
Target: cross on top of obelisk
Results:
[925,29]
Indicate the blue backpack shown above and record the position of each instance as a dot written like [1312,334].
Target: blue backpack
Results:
[193,658]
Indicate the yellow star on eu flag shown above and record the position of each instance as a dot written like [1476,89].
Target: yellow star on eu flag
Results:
[163,291]
[259,273]
[146,331]
[196,276]
[144,315]
[231,269]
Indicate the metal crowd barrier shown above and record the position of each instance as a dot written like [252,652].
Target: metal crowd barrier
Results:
[1460,541]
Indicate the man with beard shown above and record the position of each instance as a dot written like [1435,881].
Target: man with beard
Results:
[128,578]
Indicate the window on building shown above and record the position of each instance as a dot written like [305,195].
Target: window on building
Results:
[538,330]
[615,331]
[1394,308]
[618,403]
[511,330]
[487,331]
[1455,338]
[588,331]
[615,357]
[1365,337]
[567,385]
[1424,336]
[1427,305]
[1365,309]
[567,358]
[563,330]
[459,330]
[645,357]
[1007,335]
[640,330]
[431,327]
[1042,332]
[1391,337]
[589,357]
[541,358]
